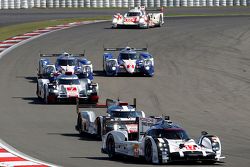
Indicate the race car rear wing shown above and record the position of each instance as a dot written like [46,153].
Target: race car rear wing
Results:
[119,49]
[61,54]
[108,103]
[108,123]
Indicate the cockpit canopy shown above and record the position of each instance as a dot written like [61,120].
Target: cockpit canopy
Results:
[132,14]
[169,133]
[125,114]
[127,56]
[65,62]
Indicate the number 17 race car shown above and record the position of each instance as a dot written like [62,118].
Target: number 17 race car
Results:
[161,141]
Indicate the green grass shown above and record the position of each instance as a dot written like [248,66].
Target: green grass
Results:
[207,15]
[18,29]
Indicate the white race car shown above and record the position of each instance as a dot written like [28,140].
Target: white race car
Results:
[67,87]
[119,114]
[161,141]
[139,17]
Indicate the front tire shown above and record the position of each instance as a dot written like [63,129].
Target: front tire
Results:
[160,21]
[111,147]
[148,151]
[79,125]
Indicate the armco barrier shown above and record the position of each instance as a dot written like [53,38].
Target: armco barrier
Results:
[23,4]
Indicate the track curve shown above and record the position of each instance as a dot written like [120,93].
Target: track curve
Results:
[202,81]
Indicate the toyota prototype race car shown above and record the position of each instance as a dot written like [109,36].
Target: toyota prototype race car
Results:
[67,87]
[140,17]
[130,60]
[75,63]
[162,141]
[118,113]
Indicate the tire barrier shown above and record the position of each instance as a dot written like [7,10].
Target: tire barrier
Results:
[5,4]
[209,2]
[131,3]
[118,3]
[99,3]
[43,4]
[11,4]
[125,3]
[24,4]
[177,3]
[31,4]
[106,3]
[56,4]
[150,3]
[62,3]
[37,3]
[93,3]
[164,3]
[75,3]
[183,2]
[157,3]
[50,3]
[190,3]
[87,3]
[138,2]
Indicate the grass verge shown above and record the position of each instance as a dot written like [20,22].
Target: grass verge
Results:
[18,29]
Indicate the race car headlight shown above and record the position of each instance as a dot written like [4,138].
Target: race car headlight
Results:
[147,63]
[87,69]
[160,144]
[141,20]
[78,70]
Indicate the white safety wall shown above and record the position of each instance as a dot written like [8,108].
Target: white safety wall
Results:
[17,4]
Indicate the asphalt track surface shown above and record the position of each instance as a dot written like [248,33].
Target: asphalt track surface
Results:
[201,80]
[16,16]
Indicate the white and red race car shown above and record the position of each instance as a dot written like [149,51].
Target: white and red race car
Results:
[139,17]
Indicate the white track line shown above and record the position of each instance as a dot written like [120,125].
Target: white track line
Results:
[10,157]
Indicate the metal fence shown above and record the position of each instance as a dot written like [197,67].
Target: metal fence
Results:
[23,4]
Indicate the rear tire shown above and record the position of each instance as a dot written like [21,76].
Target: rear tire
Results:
[148,151]
[99,129]
[110,147]
[45,97]
[160,21]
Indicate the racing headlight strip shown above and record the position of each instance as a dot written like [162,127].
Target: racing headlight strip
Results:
[215,146]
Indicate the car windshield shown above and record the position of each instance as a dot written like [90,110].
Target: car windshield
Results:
[68,82]
[65,62]
[125,114]
[130,14]
[126,56]
[174,134]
